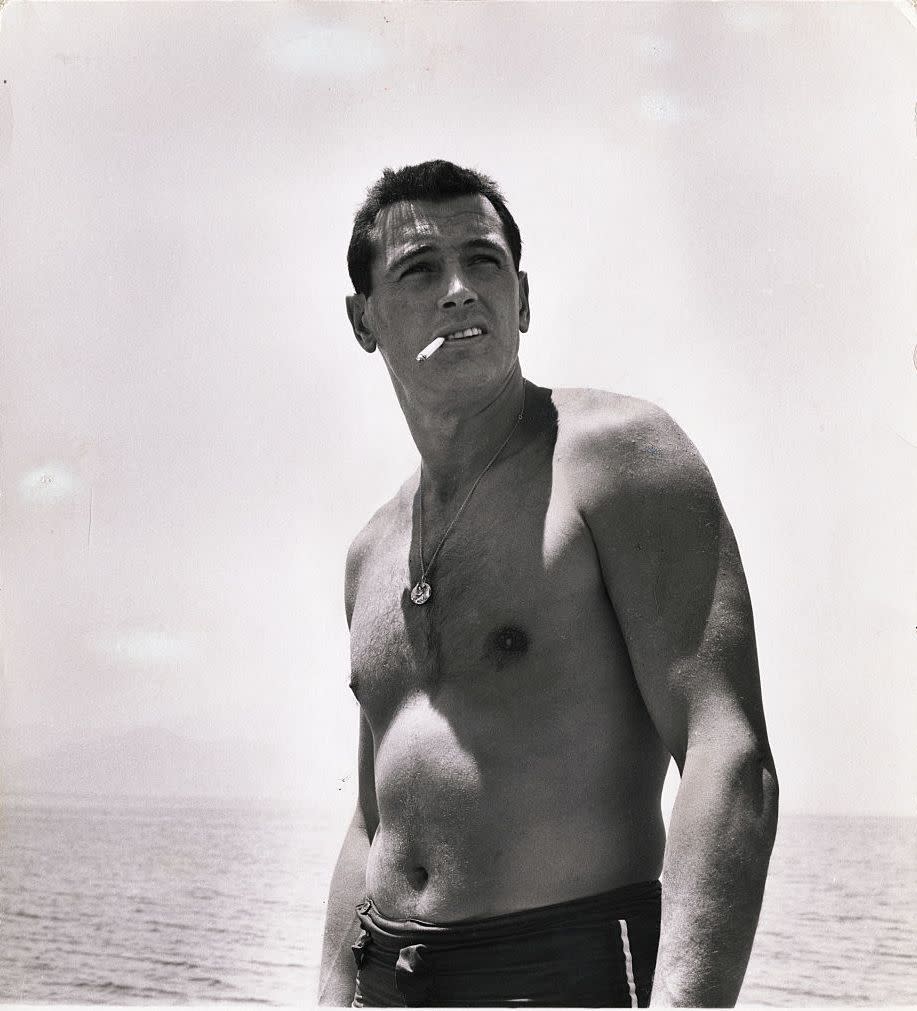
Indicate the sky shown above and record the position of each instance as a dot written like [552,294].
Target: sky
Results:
[718,214]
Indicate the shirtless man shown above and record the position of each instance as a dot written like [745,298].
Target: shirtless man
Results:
[587,618]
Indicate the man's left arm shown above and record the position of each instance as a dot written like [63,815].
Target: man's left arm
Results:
[673,573]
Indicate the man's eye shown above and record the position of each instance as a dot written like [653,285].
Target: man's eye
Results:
[417,268]
[485,258]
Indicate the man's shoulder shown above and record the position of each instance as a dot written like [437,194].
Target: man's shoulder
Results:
[613,445]
[613,427]
[636,479]
[600,414]
[384,523]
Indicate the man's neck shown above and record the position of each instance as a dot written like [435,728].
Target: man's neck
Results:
[456,444]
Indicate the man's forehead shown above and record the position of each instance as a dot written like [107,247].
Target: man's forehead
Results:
[400,225]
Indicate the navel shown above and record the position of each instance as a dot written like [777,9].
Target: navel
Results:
[418,877]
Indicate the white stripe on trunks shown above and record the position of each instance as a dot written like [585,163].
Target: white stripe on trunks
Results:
[628,963]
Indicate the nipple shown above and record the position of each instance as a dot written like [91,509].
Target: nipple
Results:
[510,640]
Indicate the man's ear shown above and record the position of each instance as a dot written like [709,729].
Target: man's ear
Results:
[356,313]
[524,313]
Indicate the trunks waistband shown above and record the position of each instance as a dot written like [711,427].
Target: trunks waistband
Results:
[619,903]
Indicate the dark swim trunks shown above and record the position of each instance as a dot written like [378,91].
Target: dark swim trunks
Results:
[594,952]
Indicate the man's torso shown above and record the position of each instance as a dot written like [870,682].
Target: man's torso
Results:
[515,763]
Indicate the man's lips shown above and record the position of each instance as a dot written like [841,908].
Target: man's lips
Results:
[461,334]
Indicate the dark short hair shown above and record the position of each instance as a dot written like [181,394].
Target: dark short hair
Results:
[430,180]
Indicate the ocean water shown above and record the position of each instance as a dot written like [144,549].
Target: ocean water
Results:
[123,903]
[159,904]
[839,919]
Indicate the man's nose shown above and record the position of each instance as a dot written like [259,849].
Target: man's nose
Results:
[458,293]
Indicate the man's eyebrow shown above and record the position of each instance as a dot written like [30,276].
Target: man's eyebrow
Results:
[488,244]
[401,260]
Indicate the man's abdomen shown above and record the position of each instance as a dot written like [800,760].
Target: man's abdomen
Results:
[484,816]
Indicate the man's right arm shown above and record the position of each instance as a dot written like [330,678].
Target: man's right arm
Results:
[337,980]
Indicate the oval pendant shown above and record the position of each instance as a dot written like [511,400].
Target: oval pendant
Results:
[421,592]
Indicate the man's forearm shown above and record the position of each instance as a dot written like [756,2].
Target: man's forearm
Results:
[348,884]
[720,840]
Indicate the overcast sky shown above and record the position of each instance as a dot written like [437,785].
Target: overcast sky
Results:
[718,212]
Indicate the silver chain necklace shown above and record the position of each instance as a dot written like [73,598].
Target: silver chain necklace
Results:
[421,592]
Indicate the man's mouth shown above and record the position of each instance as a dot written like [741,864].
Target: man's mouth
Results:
[472,331]
[440,339]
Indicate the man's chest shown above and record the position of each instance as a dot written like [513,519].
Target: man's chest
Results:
[514,589]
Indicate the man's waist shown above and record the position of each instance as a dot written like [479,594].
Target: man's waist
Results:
[630,901]
[597,951]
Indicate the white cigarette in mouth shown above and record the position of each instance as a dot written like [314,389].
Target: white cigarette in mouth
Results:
[431,348]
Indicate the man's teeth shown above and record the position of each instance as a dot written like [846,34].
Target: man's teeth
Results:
[472,331]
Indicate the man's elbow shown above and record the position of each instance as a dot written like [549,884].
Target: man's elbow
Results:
[742,772]
[756,790]
[764,783]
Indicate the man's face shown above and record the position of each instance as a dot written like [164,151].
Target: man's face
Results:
[440,269]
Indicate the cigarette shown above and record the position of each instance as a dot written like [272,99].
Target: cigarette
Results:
[431,348]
